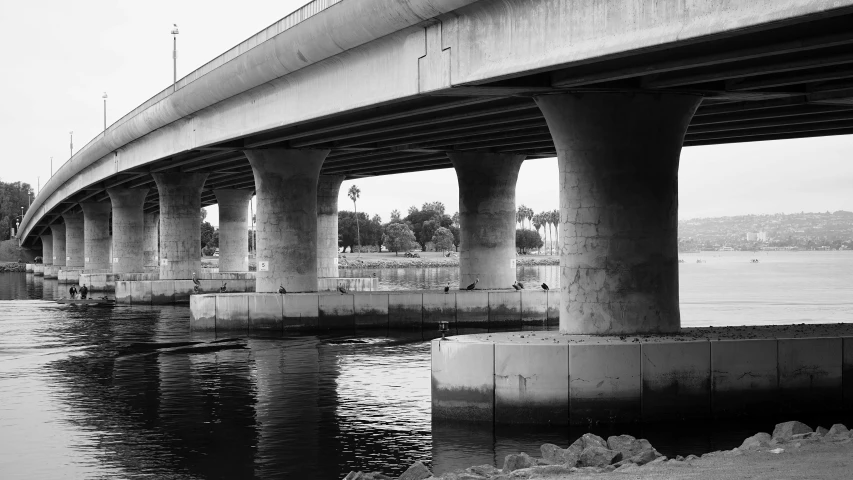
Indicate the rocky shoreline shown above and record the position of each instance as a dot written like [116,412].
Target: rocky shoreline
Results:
[13,267]
[622,454]
[347,263]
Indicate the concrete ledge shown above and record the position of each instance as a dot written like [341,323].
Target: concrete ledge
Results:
[545,377]
[38,269]
[51,272]
[333,311]
[331,284]
[30,268]
[69,275]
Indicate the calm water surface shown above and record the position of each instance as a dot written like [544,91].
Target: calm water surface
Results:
[88,392]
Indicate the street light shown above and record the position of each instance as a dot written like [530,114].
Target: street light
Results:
[105,112]
[72,147]
[175,57]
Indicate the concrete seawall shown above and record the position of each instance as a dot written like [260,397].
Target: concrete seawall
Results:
[140,289]
[371,310]
[552,378]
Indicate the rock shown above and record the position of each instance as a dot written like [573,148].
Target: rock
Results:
[759,440]
[353,475]
[821,431]
[418,471]
[483,470]
[694,457]
[838,428]
[638,451]
[559,456]
[784,431]
[517,461]
[597,456]
[588,440]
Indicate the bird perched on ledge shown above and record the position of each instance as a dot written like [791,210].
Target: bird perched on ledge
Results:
[222,288]
[471,287]
[281,289]
[545,286]
[515,286]
[342,290]
[447,287]
[196,284]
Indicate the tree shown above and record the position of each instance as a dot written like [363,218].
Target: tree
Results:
[207,234]
[425,222]
[354,194]
[395,216]
[443,239]
[13,196]
[398,236]
[555,219]
[526,240]
[523,213]
[457,236]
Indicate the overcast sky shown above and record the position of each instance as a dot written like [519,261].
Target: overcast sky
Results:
[61,57]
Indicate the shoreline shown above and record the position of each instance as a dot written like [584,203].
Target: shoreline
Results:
[793,450]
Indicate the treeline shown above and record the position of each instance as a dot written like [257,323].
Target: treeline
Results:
[428,226]
[13,196]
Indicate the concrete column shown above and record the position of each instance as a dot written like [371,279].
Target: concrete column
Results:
[73,239]
[59,251]
[233,229]
[487,217]
[328,188]
[180,223]
[128,229]
[286,189]
[96,240]
[46,249]
[618,162]
[151,241]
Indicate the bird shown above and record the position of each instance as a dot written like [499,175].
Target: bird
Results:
[515,286]
[222,288]
[195,280]
[281,289]
[520,285]
[447,287]
[545,286]
[471,287]
[196,289]
[342,290]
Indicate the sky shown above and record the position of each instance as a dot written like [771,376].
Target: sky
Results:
[62,56]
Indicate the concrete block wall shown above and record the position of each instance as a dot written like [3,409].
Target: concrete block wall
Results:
[30,267]
[69,275]
[166,292]
[51,272]
[618,382]
[38,269]
[421,311]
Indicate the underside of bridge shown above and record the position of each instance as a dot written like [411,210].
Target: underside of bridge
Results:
[780,81]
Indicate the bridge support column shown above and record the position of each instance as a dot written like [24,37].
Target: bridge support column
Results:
[233,229]
[180,223]
[96,236]
[128,229]
[46,249]
[618,162]
[487,217]
[328,188]
[59,250]
[151,242]
[74,243]
[286,187]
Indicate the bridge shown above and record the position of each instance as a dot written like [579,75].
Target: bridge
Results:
[353,88]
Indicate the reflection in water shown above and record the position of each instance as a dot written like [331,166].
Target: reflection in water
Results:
[76,401]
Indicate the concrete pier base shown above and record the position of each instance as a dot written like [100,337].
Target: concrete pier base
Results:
[97,240]
[233,225]
[419,310]
[69,275]
[30,268]
[51,272]
[328,188]
[701,373]
[38,269]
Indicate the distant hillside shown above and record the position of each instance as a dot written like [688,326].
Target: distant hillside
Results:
[10,252]
[800,230]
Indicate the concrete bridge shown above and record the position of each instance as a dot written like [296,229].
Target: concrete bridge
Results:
[349,88]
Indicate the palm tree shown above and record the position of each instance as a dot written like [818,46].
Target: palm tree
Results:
[354,194]
[520,215]
[555,219]
[529,215]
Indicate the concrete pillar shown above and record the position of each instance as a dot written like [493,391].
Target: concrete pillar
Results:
[96,240]
[128,229]
[73,239]
[328,188]
[180,223]
[46,249]
[286,189]
[151,241]
[59,251]
[233,229]
[487,217]
[618,162]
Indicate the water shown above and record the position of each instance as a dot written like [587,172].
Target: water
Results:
[76,402]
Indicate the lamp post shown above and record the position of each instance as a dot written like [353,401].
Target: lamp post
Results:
[105,112]
[175,57]
[71,134]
